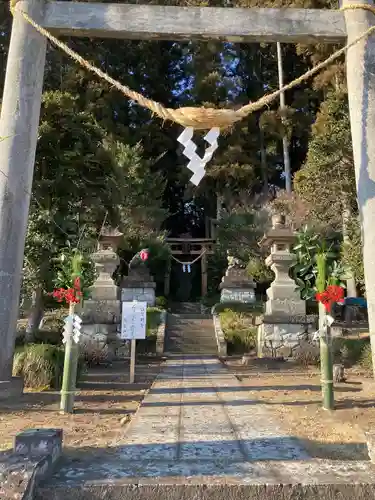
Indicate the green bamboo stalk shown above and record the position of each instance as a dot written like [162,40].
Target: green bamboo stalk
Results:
[70,369]
[326,358]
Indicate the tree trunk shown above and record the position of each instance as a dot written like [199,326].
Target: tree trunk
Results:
[36,314]
[263,161]
[287,170]
[351,287]
[219,206]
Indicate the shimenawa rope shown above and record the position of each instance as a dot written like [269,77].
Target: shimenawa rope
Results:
[197,117]
[189,263]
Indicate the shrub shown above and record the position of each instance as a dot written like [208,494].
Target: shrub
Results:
[239,331]
[241,341]
[348,351]
[41,365]
[161,302]
[94,354]
[307,355]
[366,358]
[238,307]
[153,320]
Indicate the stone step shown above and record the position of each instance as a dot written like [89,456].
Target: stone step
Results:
[189,316]
[190,334]
[193,340]
[189,327]
[178,342]
[215,480]
[186,307]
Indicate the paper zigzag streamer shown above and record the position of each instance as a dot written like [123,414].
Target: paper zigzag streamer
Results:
[197,164]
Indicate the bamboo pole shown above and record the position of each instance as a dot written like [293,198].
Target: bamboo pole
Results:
[326,365]
[70,367]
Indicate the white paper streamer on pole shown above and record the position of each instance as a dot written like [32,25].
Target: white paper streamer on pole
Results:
[77,323]
[197,164]
[68,329]
[328,321]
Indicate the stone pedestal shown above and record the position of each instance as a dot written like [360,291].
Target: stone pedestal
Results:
[101,314]
[11,388]
[138,286]
[237,286]
[284,323]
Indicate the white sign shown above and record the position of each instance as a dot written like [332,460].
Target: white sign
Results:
[133,321]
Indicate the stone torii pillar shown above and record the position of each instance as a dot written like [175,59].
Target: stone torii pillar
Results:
[19,130]
[360,68]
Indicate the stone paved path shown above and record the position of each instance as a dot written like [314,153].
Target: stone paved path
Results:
[196,410]
[197,422]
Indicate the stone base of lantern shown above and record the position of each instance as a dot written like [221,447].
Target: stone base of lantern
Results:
[278,336]
[142,291]
[100,327]
[11,388]
[236,286]
[237,294]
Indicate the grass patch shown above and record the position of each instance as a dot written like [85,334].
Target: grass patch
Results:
[41,365]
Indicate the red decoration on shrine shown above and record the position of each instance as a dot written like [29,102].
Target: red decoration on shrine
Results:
[70,295]
[143,255]
[333,294]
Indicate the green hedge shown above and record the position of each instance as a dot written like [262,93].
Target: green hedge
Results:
[41,365]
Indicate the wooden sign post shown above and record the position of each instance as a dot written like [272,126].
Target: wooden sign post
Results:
[133,328]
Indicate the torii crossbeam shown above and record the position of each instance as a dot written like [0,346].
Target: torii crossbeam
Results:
[23,91]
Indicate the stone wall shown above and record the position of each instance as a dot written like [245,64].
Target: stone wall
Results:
[219,334]
[244,295]
[282,336]
[140,293]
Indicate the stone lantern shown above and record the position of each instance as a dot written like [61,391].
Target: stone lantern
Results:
[285,322]
[106,261]
[101,313]
[283,296]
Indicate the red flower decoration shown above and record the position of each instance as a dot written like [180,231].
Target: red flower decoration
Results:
[333,294]
[143,254]
[70,295]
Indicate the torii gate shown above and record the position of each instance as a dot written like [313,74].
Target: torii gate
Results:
[23,90]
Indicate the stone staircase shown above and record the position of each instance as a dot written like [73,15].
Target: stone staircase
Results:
[188,331]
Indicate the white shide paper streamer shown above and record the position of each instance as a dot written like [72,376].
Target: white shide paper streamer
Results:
[196,163]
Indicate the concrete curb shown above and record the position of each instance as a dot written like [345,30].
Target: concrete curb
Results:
[219,335]
[160,336]
[33,459]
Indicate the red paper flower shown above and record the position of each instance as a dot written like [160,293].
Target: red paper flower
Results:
[143,254]
[70,295]
[333,294]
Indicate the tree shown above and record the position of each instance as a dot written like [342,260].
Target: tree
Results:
[81,179]
[326,181]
